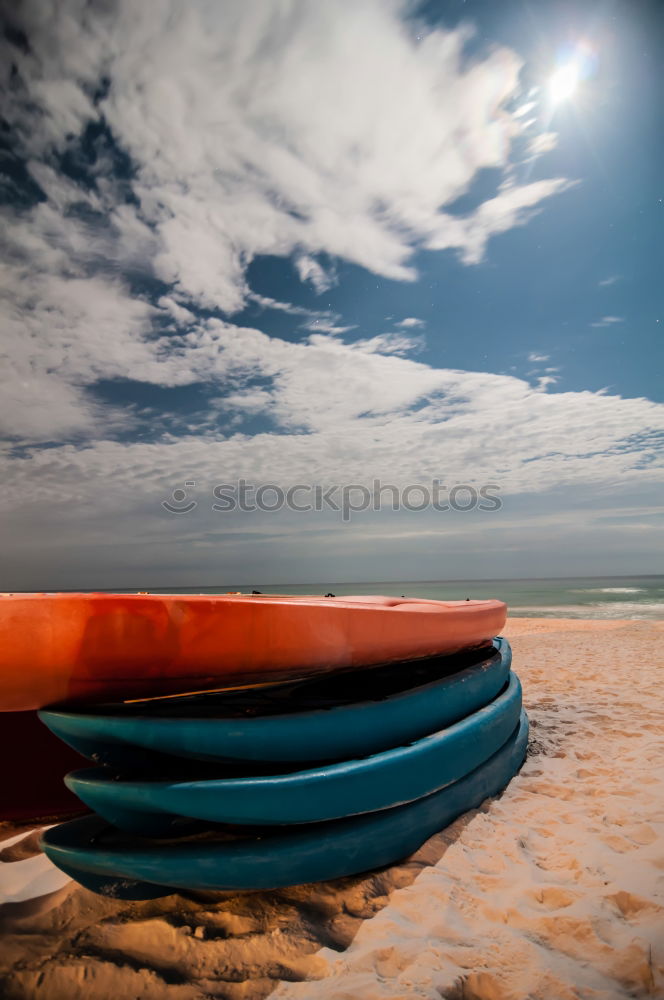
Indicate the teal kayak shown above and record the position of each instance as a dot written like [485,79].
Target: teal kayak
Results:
[329,791]
[336,717]
[130,867]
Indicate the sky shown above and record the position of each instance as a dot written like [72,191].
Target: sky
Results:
[359,243]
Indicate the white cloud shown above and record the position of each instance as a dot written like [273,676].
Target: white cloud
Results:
[247,400]
[608,321]
[410,321]
[332,147]
[182,316]
[336,413]
[389,343]
[288,307]
[326,326]
[533,357]
[273,128]
[345,412]
[523,109]
[513,206]
[62,333]
[314,273]
[542,143]
[611,280]
[320,321]
[280,143]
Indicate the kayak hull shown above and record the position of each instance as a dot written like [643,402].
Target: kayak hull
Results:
[134,868]
[332,718]
[329,791]
[77,648]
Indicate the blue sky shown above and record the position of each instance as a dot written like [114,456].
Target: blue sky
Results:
[325,244]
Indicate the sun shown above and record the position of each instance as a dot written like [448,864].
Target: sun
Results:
[563,83]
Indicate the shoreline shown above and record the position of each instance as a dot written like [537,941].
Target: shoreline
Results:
[553,890]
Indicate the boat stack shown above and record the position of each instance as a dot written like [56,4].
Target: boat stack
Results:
[344,761]
[297,783]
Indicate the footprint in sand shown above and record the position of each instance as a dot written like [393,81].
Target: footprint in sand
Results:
[477,986]
[631,906]
[643,834]
[617,843]
[553,897]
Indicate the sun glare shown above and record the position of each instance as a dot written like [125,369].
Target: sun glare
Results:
[563,82]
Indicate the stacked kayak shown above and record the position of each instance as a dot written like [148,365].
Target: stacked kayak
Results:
[327,737]
[263,773]
[107,861]
[70,648]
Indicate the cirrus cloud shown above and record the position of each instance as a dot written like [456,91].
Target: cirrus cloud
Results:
[272,128]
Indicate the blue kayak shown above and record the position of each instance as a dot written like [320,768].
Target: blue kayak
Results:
[129,867]
[331,791]
[338,717]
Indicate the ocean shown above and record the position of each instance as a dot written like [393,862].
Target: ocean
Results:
[635,597]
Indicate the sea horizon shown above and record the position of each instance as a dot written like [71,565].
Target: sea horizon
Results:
[631,597]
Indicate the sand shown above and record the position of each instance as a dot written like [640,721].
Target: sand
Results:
[553,890]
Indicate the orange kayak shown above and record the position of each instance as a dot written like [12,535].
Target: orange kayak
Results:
[57,648]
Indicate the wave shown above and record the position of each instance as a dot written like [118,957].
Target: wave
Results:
[609,590]
[631,610]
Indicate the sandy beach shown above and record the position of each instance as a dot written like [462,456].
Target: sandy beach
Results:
[552,891]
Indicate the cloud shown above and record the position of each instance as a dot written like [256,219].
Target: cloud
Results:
[410,321]
[311,271]
[294,137]
[542,143]
[611,280]
[523,109]
[346,412]
[63,332]
[321,321]
[389,343]
[533,356]
[513,206]
[608,321]
[247,400]
[332,412]
[325,326]
[182,316]
[207,153]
